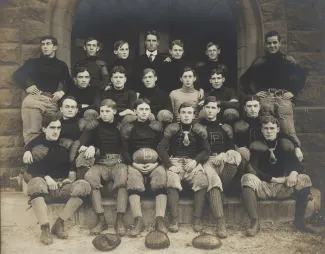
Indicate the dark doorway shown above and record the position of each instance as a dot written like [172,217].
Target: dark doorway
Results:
[196,22]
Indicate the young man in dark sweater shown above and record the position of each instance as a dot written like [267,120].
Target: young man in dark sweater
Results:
[87,96]
[276,79]
[46,80]
[49,179]
[144,133]
[96,67]
[183,149]
[106,138]
[278,176]
[223,162]
[121,95]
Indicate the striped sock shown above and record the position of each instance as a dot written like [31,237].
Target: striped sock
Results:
[173,200]
[40,210]
[228,173]
[199,202]
[122,200]
[250,202]
[70,208]
[135,205]
[96,199]
[215,202]
[161,203]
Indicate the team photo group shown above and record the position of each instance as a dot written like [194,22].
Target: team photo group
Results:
[158,126]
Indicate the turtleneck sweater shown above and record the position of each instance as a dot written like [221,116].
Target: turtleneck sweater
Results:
[48,74]
[197,149]
[182,95]
[159,100]
[70,128]
[285,164]
[56,161]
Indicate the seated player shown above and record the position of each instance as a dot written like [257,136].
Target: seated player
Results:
[186,93]
[278,176]
[223,161]
[160,104]
[106,138]
[86,95]
[96,67]
[248,130]
[227,96]
[49,179]
[144,133]
[183,149]
[121,95]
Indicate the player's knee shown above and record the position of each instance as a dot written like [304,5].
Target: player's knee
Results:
[244,153]
[37,187]
[93,180]
[81,188]
[249,180]
[303,181]
[135,180]
[200,182]
[81,161]
[173,181]
[120,176]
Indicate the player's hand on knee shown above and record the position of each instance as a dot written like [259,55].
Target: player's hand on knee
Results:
[90,152]
[168,59]
[33,90]
[190,165]
[150,166]
[299,154]
[261,94]
[220,158]
[292,179]
[57,96]
[82,149]
[28,157]
[287,96]
[139,166]
[201,95]
[174,169]
[51,183]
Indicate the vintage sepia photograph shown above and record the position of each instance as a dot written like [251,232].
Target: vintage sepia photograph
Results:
[162,126]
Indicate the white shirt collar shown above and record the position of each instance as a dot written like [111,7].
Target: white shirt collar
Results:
[154,53]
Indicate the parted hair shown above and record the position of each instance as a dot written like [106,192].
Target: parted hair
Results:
[186,105]
[210,44]
[108,103]
[270,34]
[119,44]
[119,69]
[251,98]
[147,70]
[68,97]
[270,119]
[151,32]
[46,120]
[186,69]
[49,37]
[140,101]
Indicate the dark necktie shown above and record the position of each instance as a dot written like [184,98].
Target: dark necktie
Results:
[151,58]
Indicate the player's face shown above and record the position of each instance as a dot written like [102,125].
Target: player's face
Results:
[91,47]
[149,80]
[123,51]
[143,111]
[211,110]
[118,79]
[48,49]
[188,79]
[69,108]
[82,79]
[186,115]
[52,131]
[252,108]
[270,131]
[217,80]
[151,43]
[107,114]
[176,52]
[272,44]
[213,52]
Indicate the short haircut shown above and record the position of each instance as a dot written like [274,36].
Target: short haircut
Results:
[211,99]
[147,70]
[119,69]
[108,103]
[119,44]
[251,98]
[151,32]
[79,69]
[49,37]
[140,101]
[186,105]
[177,43]
[68,97]
[220,69]
[270,34]
[210,44]
[91,39]
[269,119]
[186,69]
[46,120]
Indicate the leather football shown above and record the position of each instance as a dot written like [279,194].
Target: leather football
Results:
[145,155]
[106,242]
[207,242]
[156,240]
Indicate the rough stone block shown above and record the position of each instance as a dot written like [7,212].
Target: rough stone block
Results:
[30,51]
[10,17]
[10,123]
[11,141]
[313,63]
[11,157]
[36,13]
[10,98]
[305,18]
[6,72]
[9,35]
[314,164]
[309,120]
[32,30]
[306,41]
[313,92]
[10,52]
[312,142]
[272,11]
